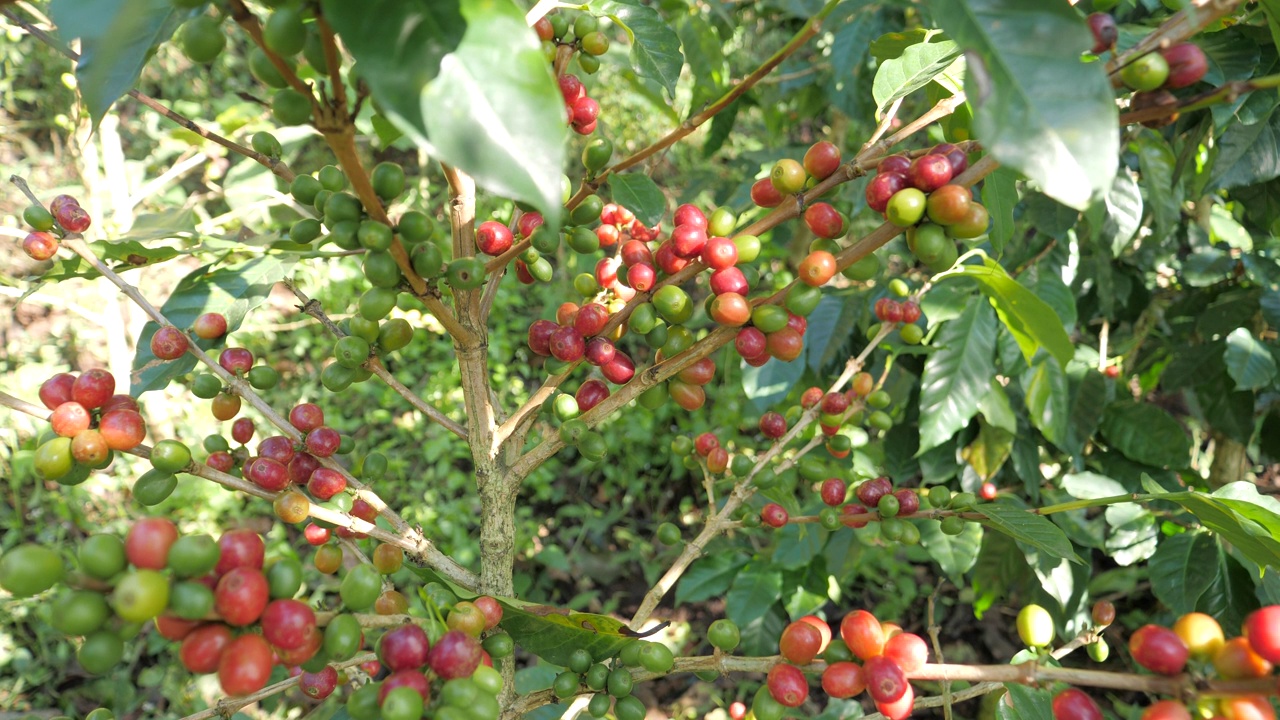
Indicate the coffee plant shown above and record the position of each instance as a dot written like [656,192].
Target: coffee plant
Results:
[959,311]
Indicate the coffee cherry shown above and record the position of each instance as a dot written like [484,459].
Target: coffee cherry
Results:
[929,172]
[455,655]
[843,679]
[1158,649]
[1236,659]
[817,268]
[1247,707]
[1187,65]
[833,492]
[730,309]
[1201,634]
[800,643]
[1074,704]
[245,665]
[774,515]
[1146,73]
[1262,628]
[788,176]
[750,343]
[29,569]
[93,388]
[40,245]
[788,685]
[821,159]
[140,595]
[494,238]
[886,682]
[883,187]
[1166,710]
[861,631]
[1104,30]
[723,635]
[1035,626]
[729,280]
[906,207]
[823,220]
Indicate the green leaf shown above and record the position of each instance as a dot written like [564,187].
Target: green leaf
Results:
[705,54]
[1000,196]
[956,375]
[1028,528]
[1146,433]
[116,38]
[709,577]
[1038,109]
[753,592]
[903,75]
[892,45]
[1252,529]
[1124,213]
[638,193]
[655,47]
[796,545]
[1157,162]
[1025,704]
[233,291]
[1272,10]
[769,383]
[955,554]
[987,453]
[995,407]
[1178,567]
[1248,154]
[1031,321]
[553,633]
[1133,533]
[1088,402]
[1230,595]
[493,110]
[1048,404]
[831,323]
[1249,362]
[1089,486]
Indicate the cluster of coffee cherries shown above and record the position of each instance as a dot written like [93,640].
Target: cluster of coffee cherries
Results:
[1154,74]
[1196,640]
[64,215]
[90,422]
[583,36]
[905,313]
[888,656]
[611,681]
[918,195]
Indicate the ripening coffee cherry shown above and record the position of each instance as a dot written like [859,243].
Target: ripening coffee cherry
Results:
[1146,73]
[774,515]
[1035,626]
[40,246]
[821,159]
[1104,30]
[1074,704]
[788,685]
[1201,634]
[788,176]
[929,172]
[1158,649]
[1262,628]
[800,643]
[862,633]
[1236,659]
[817,268]
[1187,65]
[886,682]
[168,343]
[906,207]
[824,220]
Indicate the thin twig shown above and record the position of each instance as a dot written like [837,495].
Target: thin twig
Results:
[230,706]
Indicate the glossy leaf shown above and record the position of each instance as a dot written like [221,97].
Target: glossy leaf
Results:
[830,324]
[233,291]
[1156,160]
[956,374]
[1000,196]
[1028,528]
[1031,321]
[1248,154]
[769,383]
[1088,486]
[638,193]
[709,577]
[1146,433]
[116,38]
[1177,570]
[955,554]
[1038,109]
[913,69]
[553,633]
[1249,362]
[753,592]
[655,48]
[1025,704]
[1132,533]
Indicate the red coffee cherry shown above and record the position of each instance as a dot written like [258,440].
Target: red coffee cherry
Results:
[737,710]
[70,419]
[210,326]
[168,343]
[1074,704]
[750,343]
[306,417]
[147,543]
[894,163]
[323,441]
[236,361]
[239,548]
[773,425]
[40,245]
[910,312]
[1187,65]
[908,501]
[245,665]
[899,709]
[788,685]
[319,685]
[1166,710]
[325,483]
[800,643]
[242,430]
[93,388]
[885,680]
[849,510]
[705,443]
[690,215]
[1158,649]
[729,280]
[567,344]
[929,172]
[241,596]
[774,515]
[267,474]
[1104,30]
[286,623]
[619,370]
[315,536]
[1237,659]
[202,648]
[1104,613]
[833,491]
[908,650]
[540,336]
[455,655]
[1262,628]
[492,610]
[57,390]
[494,238]
[861,631]
[870,492]
[590,394]
[824,220]
[764,194]
[821,159]
[843,680]
[404,648]
[72,217]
